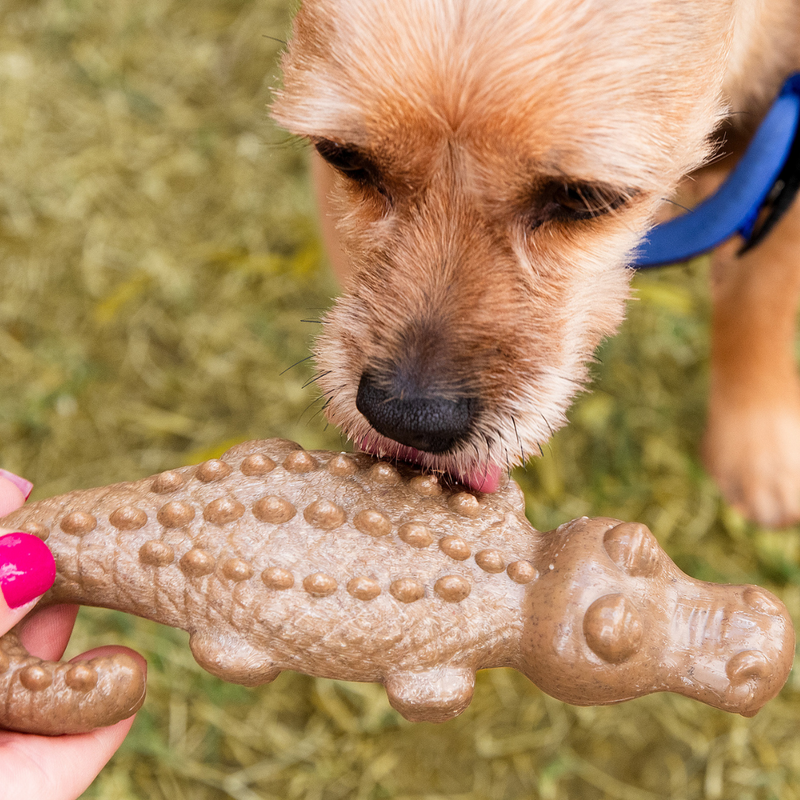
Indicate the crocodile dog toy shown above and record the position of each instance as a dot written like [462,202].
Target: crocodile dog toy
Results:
[344,566]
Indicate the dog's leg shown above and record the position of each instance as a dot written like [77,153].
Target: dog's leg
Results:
[752,442]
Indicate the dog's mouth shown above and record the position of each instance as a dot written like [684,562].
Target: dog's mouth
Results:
[410,425]
[478,477]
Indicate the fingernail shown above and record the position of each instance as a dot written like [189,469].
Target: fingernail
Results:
[27,568]
[26,487]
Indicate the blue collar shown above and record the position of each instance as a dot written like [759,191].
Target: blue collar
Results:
[753,198]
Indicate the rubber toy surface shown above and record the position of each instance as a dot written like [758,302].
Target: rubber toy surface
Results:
[344,566]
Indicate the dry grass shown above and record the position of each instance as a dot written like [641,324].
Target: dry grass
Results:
[158,257]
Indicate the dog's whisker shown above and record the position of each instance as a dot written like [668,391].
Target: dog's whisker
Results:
[319,411]
[546,422]
[477,451]
[487,457]
[519,440]
[316,377]
[330,392]
[327,397]
[296,363]
[308,407]
[675,203]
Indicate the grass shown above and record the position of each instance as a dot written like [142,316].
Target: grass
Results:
[158,255]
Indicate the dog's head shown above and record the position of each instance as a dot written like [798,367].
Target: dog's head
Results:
[497,161]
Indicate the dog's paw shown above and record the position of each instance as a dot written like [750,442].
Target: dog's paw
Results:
[753,452]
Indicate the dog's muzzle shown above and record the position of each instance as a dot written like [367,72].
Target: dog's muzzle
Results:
[408,415]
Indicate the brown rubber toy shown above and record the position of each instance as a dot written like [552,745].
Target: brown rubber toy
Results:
[344,566]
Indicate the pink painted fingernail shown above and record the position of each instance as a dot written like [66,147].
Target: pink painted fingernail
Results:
[27,568]
[26,487]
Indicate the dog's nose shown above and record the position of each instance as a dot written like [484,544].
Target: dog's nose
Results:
[406,415]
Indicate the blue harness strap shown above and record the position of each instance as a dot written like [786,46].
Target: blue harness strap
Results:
[750,202]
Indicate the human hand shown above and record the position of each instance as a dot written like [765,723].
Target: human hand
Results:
[55,767]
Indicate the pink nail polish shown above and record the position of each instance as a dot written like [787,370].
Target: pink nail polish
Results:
[27,568]
[26,487]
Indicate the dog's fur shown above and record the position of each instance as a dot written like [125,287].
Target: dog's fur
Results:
[474,130]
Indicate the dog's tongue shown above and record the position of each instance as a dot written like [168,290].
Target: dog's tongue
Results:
[480,479]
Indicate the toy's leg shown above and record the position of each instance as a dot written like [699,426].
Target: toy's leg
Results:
[432,695]
[752,442]
[233,659]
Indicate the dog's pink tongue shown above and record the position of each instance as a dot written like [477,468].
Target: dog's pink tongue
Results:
[480,479]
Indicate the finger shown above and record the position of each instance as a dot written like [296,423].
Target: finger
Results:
[47,632]
[27,571]
[14,491]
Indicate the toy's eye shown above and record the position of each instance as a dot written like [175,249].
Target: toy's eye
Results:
[351,162]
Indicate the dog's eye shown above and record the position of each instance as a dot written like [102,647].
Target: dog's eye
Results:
[352,162]
[563,201]
[583,200]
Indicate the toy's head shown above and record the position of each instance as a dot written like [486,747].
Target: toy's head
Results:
[613,618]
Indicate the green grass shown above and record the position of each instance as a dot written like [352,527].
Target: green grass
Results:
[158,255]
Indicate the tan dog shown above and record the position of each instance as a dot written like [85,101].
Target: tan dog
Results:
[491,166]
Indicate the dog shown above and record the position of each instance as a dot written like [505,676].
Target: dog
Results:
[486,169]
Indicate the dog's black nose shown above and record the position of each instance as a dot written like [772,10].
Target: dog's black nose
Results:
[406,415]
